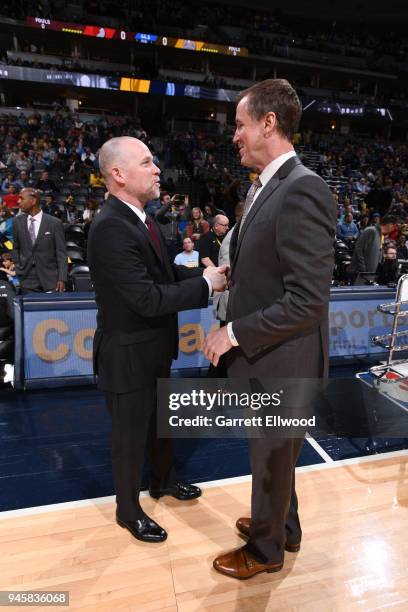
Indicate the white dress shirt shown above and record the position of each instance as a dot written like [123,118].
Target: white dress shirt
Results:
[265,176]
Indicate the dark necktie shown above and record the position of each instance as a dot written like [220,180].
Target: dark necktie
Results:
[154,235]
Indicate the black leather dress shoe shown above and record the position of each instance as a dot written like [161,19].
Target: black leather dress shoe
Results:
[179,490]
[144,529]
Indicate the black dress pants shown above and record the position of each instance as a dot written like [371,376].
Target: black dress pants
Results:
[134,427]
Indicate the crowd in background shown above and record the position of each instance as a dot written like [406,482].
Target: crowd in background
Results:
[57,154]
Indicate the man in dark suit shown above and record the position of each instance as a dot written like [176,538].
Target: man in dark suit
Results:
[281,266]
[39,249]
[138,294]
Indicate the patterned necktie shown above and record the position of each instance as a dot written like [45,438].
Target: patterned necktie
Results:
[31,230]
[154,235]
[248,202]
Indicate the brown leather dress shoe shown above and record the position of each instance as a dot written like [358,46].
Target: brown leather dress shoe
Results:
[242,565]
[243,525]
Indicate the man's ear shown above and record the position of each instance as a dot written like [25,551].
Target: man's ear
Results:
[117,175]
[270,123]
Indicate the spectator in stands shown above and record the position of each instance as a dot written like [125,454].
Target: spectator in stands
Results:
[348,230]
[387,271]
[45,184]
[49,206]
[169,216]
[209,244]
[23,181]
[22,162]
[39,250]
[209,214]
[96,180]
[367,252]
[91,209]
[38,164]
[188,257]
[88,158]
[362,186]
[7,267]
[11,198]
[6,222]
[9,180]
[402,249]
[198,226]
[363,223]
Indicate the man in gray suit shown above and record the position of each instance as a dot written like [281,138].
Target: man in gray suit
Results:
[39,249]
[281,267]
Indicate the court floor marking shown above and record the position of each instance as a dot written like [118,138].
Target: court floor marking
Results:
[319,450]
[83,503]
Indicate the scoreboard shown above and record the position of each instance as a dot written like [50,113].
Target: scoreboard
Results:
[138,37]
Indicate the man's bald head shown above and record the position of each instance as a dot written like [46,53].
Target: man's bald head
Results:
[116,151]
[220,225]
[127,166]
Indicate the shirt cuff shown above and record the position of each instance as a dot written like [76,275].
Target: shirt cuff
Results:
[231,335]
[210,287]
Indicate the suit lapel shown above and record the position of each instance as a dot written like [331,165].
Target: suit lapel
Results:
[124,210]
[265,194]
[41,229]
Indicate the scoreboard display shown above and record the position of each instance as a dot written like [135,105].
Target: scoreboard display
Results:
[138,37]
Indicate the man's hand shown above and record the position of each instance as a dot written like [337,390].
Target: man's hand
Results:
[216,344]
[217,276]
[60,287]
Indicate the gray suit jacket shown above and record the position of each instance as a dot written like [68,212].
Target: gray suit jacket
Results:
[220,300]
[281,270]
[49,253]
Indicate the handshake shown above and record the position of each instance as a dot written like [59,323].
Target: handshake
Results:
[217,277]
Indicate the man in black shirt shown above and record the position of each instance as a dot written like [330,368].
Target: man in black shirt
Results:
[209,244]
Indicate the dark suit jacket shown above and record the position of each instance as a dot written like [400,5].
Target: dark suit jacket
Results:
[49,252]
[137,297]
[282,266]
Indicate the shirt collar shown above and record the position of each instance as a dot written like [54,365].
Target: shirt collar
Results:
[272,168]
[140,213]
[37,217]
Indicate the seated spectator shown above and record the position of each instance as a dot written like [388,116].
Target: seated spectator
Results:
[7,267]
[39,164]
[209,214]
[96,179]
[11,198]
[45,184]
[9,180]
[197,226]
[23,181]
[6,222]
[22,162]
[387,271]
[91,209]
[348,230]
[402,249]
[88,158]
[363,223]
[50,207]
[188,257]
